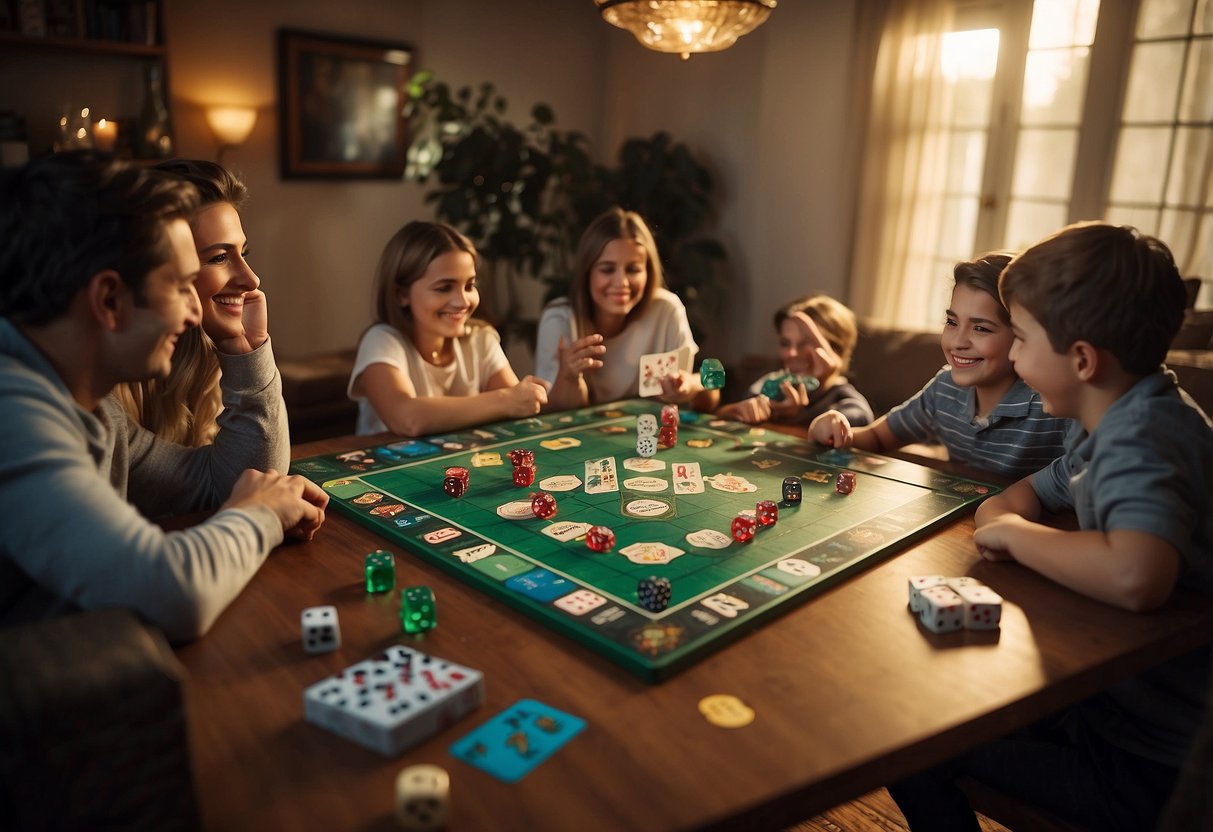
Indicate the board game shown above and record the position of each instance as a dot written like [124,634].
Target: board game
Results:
[671,514]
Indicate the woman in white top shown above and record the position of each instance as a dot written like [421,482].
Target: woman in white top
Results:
[427,366]
[590,343]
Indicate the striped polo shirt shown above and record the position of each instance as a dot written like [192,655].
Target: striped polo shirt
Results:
[1017,439]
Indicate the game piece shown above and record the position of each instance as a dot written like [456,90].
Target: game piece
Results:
[524,475]
[844,483]
[982,606]
[455,482]
[646,446]
[668,436]
[743,528]
[380,570]
[767,512]
[654,593]
[711,374]
[600,539]
[792,490]
[321,630]
[772,387]
[417,610]
[726,711]
[393,700]
[669,415]
[543,505]
[422,797]
[920,583]
[942,610]
[646,425]
[521,456]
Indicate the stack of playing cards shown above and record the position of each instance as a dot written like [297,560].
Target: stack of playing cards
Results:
[947,604]
[394,700]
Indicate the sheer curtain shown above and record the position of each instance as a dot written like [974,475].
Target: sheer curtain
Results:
[903,165]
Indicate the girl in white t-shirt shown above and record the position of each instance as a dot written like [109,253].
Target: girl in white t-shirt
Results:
[427,366]
[590,343]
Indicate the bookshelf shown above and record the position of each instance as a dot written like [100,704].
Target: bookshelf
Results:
[94,53]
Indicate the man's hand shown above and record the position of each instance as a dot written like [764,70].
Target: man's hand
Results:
[298,502]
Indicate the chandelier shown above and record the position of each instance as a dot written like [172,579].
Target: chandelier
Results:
[686,26]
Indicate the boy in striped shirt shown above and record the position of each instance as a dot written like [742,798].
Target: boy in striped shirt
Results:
[976,406]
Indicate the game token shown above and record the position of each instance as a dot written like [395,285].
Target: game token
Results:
[521,456]
[726,711]
[524,475]
[379,567]
[646,425]
[667,437]
[743,528]
[792,490]
[845,482]
[711,374]
[422,797]
[417,612]
[669,415]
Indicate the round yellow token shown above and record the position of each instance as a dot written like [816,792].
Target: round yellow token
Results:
[726,711]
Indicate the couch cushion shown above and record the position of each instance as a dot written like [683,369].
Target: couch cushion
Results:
[1196,332]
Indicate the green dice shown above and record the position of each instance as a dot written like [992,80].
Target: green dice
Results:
[417,612]
[380,570]
[711,374]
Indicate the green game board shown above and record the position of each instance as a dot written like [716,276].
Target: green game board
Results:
[544,569]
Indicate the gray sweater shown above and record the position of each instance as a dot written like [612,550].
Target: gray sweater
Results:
[76,489]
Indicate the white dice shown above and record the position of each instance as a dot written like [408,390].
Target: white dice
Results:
[943,611]
[321,630]
[646,446]
[945,604]
[422,797]
[646,425]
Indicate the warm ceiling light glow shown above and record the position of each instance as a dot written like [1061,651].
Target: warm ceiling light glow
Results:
[686,26]
[231,125]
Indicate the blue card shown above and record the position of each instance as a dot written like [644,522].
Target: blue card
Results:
[519,738]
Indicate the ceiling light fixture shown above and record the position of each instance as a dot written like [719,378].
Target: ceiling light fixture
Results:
[685,26]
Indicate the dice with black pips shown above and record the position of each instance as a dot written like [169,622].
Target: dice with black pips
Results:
[321,629]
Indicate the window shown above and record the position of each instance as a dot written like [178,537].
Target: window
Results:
[1064,110]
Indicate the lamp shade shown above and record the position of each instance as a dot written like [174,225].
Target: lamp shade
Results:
[685,26]
[231,125]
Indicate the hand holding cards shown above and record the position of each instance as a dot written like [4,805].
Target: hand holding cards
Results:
[656,366]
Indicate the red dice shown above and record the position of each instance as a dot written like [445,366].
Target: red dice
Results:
[844,483]
[543,505]
[744,527]
[521,456]
[669,415]
[767,511]
[600,539]
[524,475]
[455,482]
[667,437]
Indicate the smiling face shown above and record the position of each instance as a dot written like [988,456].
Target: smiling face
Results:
[225,275]
[617,282]
[1042,368]
[442,299]
[798,353]
[170,307]
[977,344]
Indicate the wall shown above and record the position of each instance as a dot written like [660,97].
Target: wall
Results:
[769,115]
[315,243]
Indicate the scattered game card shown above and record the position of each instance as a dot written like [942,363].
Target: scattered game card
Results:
[561,482]
[516,510]
[650,552]
[518,739]
[655,366]
[600,475]
[394,700]
[731,483]
[560,443]
[709,539]
[564,530]
[646,484]
[486,459]
[635,506]
[644,465]
[687,478]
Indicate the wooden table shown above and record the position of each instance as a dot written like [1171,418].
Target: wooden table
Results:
[850,694]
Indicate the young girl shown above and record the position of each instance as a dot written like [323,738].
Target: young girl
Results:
[184,406]
[817,335]
[977,407]
[427,366]
[590,343]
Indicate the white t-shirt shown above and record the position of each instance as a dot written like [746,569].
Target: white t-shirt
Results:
[478,357]
[662,327]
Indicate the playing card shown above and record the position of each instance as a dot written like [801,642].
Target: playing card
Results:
[687,478]
[601,476]
[394,700]
[510,745]
[655,366]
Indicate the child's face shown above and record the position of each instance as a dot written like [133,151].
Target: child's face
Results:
[618,278]
[975,340]
[797,351]
[1043,369]
[225,277]
[444,297]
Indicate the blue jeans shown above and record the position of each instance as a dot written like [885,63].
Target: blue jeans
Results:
[1058,765]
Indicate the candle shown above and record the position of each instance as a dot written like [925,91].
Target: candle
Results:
[105,135]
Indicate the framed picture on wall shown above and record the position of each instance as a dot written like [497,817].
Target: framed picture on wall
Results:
[341,106]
